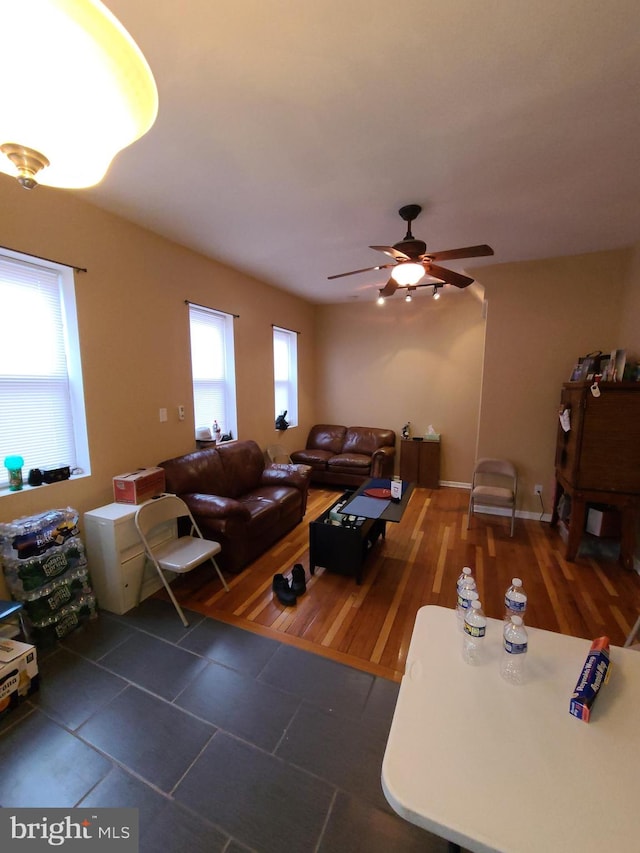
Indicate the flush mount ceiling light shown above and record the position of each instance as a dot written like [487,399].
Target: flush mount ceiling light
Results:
[75,90]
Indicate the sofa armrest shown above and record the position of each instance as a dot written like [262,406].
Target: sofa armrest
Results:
[287,475]
[298,476]
[382,461]
[214,507]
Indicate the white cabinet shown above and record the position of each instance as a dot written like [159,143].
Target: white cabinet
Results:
[120,573]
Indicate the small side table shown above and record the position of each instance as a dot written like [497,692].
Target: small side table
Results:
[420,462]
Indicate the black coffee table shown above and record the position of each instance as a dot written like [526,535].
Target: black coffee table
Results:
[342,548]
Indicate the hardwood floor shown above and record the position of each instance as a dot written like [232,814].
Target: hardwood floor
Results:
[369,626]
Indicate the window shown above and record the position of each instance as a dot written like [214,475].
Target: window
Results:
[285,372]
[41,393]
[213,369]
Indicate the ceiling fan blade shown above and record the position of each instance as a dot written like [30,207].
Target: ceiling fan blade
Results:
[393,253]
[467,252]
[449,276]
[390,288]
[366,269]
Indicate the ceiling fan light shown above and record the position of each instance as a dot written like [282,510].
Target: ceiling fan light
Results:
[436,292]
[407,273]
[380,299]
[85,91]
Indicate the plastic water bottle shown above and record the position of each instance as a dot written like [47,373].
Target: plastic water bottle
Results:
[466,595]
[466,572]
[514,656]
[515,600]
[475,627]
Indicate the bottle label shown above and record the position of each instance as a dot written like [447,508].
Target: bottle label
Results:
[514,605]
[475,631]
[515,648]
[463,601]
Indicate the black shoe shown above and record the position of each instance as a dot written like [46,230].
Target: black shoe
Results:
[298,583]
[283,591]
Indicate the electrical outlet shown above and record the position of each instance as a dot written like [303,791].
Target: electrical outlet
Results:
[537,489]
[180,413]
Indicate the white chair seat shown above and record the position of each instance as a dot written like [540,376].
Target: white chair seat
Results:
[185,553]
[493,493]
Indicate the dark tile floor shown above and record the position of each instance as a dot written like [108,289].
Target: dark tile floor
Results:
[224,740]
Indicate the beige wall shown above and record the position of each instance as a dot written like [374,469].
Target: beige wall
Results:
[134,337]
[629,331]
[419,362]
[542,315]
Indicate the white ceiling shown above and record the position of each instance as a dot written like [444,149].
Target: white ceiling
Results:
[291,131]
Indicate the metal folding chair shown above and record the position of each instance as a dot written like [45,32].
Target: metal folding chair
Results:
[179,555]
[495,483]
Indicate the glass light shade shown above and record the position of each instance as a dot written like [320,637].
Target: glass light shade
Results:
[407,273]
[74,87]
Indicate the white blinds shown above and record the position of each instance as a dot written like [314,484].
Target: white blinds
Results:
[285,373]
[209,368]
[35,407]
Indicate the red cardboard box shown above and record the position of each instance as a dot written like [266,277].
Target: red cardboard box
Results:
[138,486]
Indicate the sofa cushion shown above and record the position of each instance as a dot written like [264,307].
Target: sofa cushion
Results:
[367,439]
[350,460]
[200,471]
[326,437]
[243,464]
[263,514]
[316,458]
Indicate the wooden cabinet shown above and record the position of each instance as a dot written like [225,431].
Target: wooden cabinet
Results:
[598,458]
[120,573]
[420,463]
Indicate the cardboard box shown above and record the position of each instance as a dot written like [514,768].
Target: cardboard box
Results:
[138,486]
[603,522]
[18,674]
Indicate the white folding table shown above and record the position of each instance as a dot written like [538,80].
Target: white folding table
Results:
[494,767]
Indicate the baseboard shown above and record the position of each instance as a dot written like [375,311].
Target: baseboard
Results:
[498,510]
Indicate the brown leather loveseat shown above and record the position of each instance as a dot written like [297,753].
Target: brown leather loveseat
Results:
[347,456]
[236,500]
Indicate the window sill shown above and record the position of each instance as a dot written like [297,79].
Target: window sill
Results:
[5,491]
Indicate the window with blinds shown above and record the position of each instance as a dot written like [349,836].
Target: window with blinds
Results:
[285,373]
[41,393]
[213,369]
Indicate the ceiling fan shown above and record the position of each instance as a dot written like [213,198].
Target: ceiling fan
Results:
[413,262]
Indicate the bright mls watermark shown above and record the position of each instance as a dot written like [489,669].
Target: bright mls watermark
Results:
[86,830]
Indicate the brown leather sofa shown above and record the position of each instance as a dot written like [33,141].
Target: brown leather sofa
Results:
[347,456]
[236,500]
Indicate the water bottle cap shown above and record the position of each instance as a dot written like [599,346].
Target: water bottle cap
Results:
[516,582]
[516,620]
[466,570]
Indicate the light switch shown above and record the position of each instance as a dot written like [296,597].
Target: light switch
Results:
[163,415]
